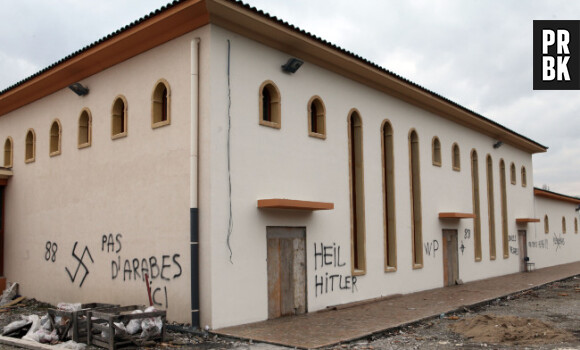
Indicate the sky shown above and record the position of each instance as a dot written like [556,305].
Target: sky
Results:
[477,53]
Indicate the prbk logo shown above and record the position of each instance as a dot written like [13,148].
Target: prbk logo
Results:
[556,55]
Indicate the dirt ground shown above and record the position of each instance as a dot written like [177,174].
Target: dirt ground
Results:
[543,318]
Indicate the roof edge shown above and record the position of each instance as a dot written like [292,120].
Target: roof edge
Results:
[554,195]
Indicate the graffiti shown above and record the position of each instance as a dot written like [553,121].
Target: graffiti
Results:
[462,248]
[166,268]
[110,242]
[328,257]
[51,248]
[513,250]
[543,244]
[81,263]
[431,246]
[558,241]
[512,238]
[154,296]
[467,234]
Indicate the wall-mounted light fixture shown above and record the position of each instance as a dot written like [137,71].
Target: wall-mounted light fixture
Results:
[78,89]
[497,144]
[292,65]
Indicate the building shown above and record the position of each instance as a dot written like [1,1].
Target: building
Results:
[184,156]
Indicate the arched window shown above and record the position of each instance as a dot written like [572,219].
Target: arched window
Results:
[8,152]
[546,224]
[575,225]
[357,193]
[160,104]
[476,210]
[119,117]
[513,173]
[316,118]
[30,147]
[524,177]
[389,197]
[436,151]
[270,105]
[85,128]
[455,157]
[416,215]
[55,138]
[563,224]
[504,213]
[490,207]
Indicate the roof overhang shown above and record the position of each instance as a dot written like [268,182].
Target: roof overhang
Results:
[557,196]
[187,15]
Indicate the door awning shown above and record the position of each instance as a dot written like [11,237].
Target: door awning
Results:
[456,215]
[526,220]
[5,174]
[281,203]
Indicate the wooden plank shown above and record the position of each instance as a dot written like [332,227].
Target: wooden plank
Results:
[286,277]
[273,262]
[13,302]
[299,272]
[278,203]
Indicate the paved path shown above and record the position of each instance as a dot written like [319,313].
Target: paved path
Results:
[326,328]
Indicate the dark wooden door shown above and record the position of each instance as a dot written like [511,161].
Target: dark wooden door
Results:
[286,271]
[450,258]
[523,249]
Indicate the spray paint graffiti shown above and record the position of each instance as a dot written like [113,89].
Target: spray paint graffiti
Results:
[512,238]
[558,241]
[514,250]
[81,262]
[328,257]
[462,247]
[542,244]
[431,246]
[467,234]
[51,249]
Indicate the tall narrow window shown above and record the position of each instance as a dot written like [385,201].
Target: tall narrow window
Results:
[270,105]
[416,215]
[316,118]
[546,224]
[575,225]
[119,118]
[524,177]
[85,128]
[389,197]
[476,210]
[55,138]
[8,152]
[563,224]
[504,213]
[513,173]
[30,147]
[490,208]
[436,151]
[160,104]
[455,157]
[357,194]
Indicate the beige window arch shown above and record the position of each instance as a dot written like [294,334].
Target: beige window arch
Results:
[55,138]
[513,173]
[563,224]
[119,117]
[270,105]
[436,151]
[524,177]
[575,225]
[316,118]
[476,205]
[504,212]
[8,152]
[455,157]
[357,197]
[546,224]
[85,128]
[388,154]
[416,211]
[30,146]
[161,104]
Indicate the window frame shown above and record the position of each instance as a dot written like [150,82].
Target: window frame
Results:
[115,116]
[389,206]
[357,196]
[158,105]
[455,157]
[524,176]
[476,205]
[89,129]
[546,224]
[415,193]
[55,138]
[436,151]
[491,208]
[563,224]
[8,153]
[275,105]
[504,212]
[513,173]
[30,146]
[320,117]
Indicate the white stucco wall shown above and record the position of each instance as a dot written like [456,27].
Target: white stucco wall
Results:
[554,247]
[119,207]
[287,163]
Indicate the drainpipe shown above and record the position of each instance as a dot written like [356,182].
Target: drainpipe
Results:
[193,184]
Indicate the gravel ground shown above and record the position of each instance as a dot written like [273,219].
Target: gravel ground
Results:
[543,318]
